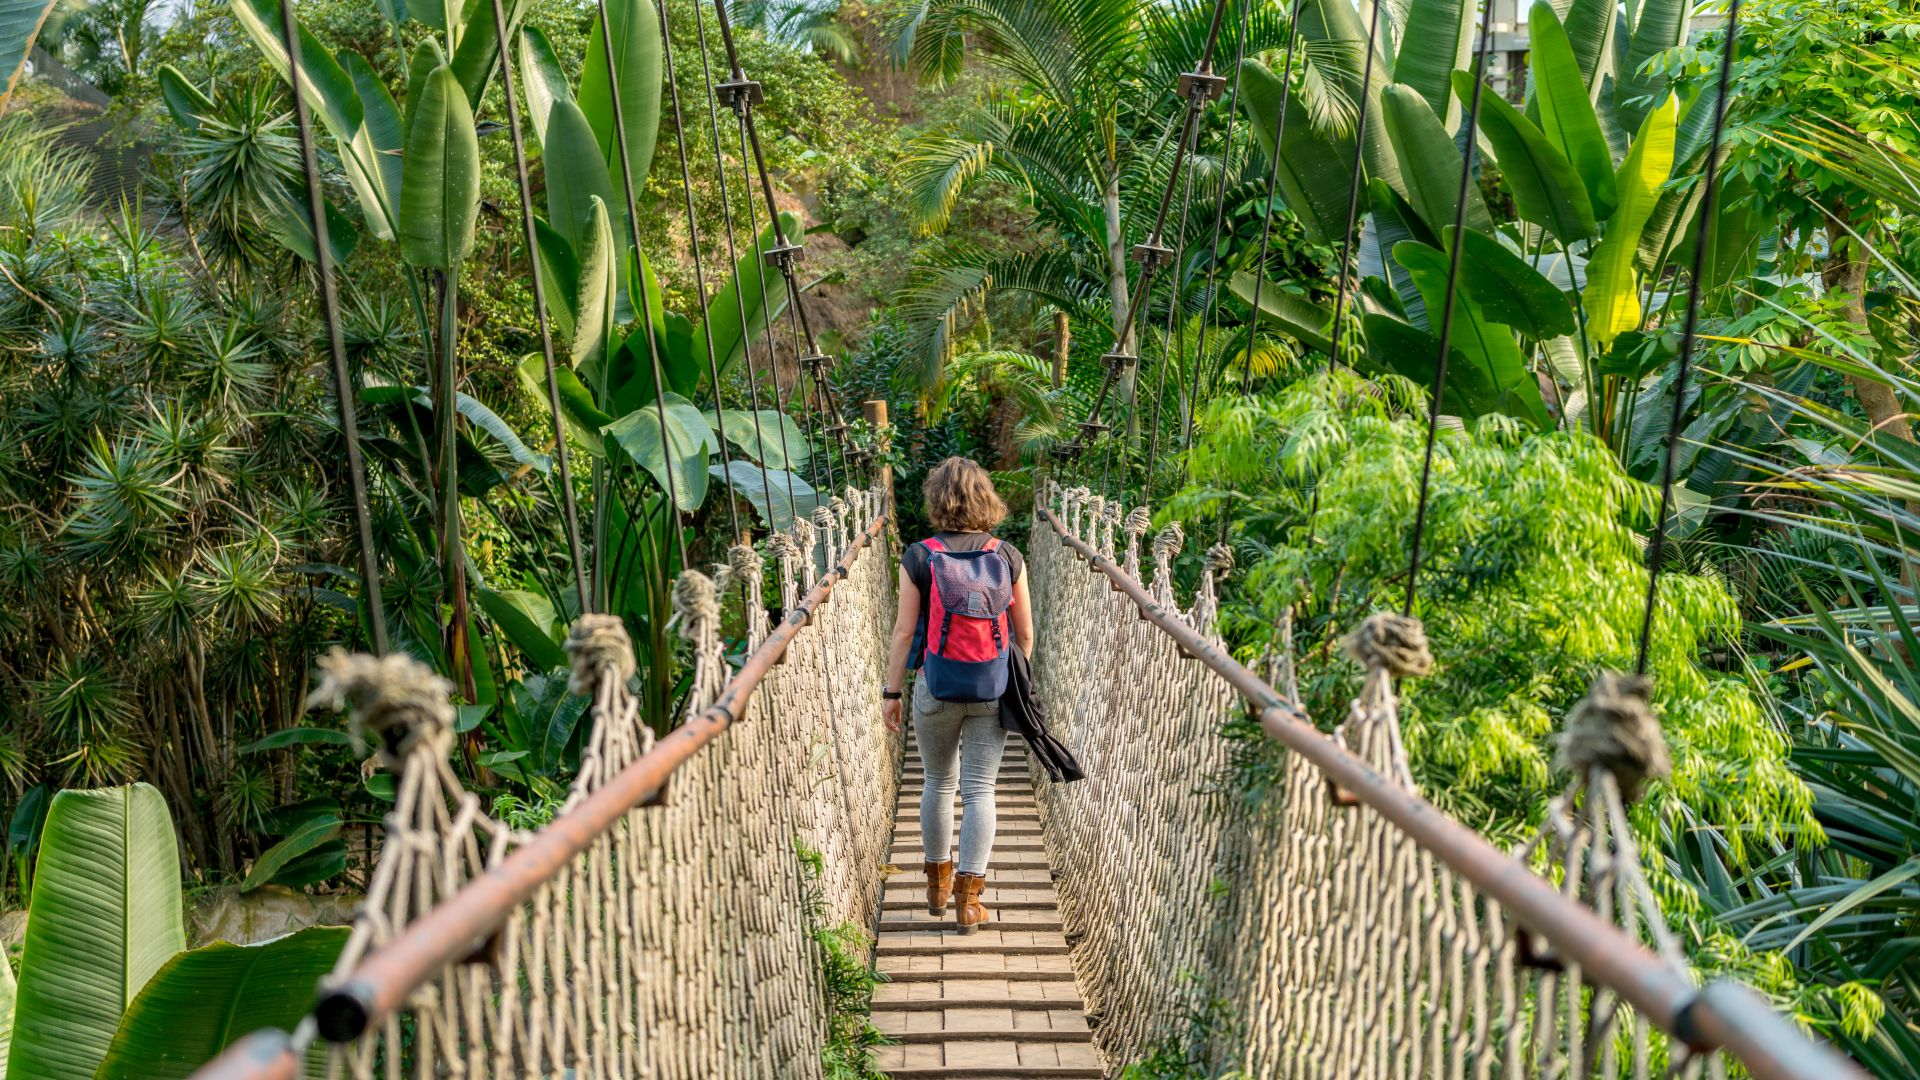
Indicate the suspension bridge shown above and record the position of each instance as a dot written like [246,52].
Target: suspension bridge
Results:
[662,924]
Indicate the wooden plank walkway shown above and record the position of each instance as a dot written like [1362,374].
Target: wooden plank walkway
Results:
[995,1005]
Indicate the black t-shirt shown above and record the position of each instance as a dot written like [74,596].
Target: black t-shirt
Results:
[914,562]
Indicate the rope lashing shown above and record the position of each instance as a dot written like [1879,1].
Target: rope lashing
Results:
[598,643]
[696,599]
[1392,643]
[1219,561]
[395,699]
[1168,542]
[1613,728]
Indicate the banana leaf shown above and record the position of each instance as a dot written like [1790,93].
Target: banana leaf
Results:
[675,457]
[768,492]
[184,101]
[1613,285]
[1438,39]
[1546,189]
[8,991]
[1660,25]
[1430,164]
[576,176]
[477,56]
[1590,29]
[105,915]
[756,290]
[308,835]
[1314,173]
[1307,322]
[594,335]
[205,999]
[544,79]
[1560,105]
[1495,374]
[382,135]
[20,23]
[638,65]
[768,436]
[582,417]
[440,188]
[528,620]
[1511,291]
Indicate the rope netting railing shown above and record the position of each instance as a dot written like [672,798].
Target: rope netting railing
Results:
[1349,928]
[653,928]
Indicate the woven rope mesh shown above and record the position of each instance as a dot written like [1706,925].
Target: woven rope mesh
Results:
[1334,946]
[678,945]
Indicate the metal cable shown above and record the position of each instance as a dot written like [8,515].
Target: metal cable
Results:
[1709,203]
[638,269]
[1273,184]
[336,341]
[525,191]
[1446,310]
[1353,189]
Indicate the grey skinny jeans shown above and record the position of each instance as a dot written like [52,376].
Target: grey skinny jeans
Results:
[961,745]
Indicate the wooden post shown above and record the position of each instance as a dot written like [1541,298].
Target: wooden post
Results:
[875,413]
[1062,341]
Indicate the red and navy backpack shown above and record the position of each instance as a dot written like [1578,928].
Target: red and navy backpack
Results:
[964,655]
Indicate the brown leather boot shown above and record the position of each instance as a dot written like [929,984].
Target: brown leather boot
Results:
[939,886]
[968,912]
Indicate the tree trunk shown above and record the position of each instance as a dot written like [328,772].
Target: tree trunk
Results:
[1846,273]
[1062,343]
[1122,310]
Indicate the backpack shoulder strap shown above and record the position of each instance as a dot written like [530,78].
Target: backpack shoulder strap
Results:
[992,544]
[932,543]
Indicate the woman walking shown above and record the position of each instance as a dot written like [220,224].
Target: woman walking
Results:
[963,608]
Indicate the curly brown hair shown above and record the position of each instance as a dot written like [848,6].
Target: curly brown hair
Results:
[959,497]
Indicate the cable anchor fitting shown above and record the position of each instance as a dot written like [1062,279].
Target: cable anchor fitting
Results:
[1202,85]
[784,255]
[1152,254]
[740,94]
[1119,361]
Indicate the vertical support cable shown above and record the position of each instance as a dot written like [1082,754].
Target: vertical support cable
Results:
[571,511]
[1353,188]
[638,282]
[1219,219]
[1703,231]
[330,311]
[1446,311]
[1273,184]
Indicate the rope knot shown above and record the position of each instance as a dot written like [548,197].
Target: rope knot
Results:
[823,517]
[598,643]
[1169,542]
[1613,728]
[743,562]
[1139,520]
[395,698]
[838,504]
[782,546]
[1390,642]
[695,599]
[1110,513]
[1220,559]
[803,535]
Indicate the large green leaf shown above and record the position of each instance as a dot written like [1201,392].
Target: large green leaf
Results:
[308,835]
[1430,164]
[1509,290]
[1488,347]
[638,64]
[528,620]
[1438,38]
[1392,221]
[105,915]
[440,189]
[477,56]
[559,270]
[20,23]
[576,175]
[477,413]
[735,316]
[1302,319]
[204,1000]
[593,331]
[768,436]
[1564,111]
[1659,26]
[544,79]
[8,990]
[768,492]
[1612,295]
[1334,34]
[677,462]
[1590,29]
[381,139]
[291,223]
[1314,173]
[577,409]
[1546,189]
[184,101]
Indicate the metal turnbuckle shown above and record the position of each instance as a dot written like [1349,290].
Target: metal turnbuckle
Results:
[1202,85]
[738,94]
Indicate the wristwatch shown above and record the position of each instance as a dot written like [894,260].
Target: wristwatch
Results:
[890,695]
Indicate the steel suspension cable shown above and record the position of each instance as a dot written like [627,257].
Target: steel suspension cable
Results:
[1703,231]
[638,271]
[525,191]
[1212,311]
[699,270]
[1273,184]
[336,341]
[1173,314]
[1481,53]
[1353,190]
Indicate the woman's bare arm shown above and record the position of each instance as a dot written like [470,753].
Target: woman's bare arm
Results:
[1022,615]
[904,621]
